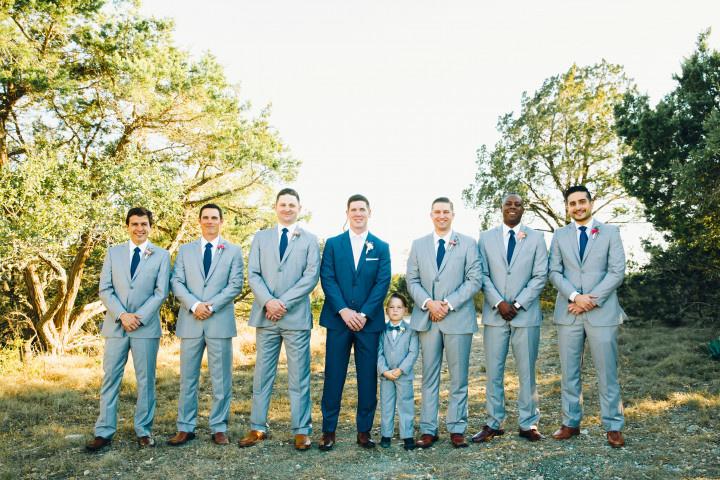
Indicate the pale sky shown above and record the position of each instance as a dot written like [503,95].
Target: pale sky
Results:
[392,98]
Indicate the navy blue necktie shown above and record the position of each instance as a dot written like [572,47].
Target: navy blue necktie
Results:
[440,252]
[283,242]
[207,257]
[583,241]
[392,327]
[135,261]
[511,246]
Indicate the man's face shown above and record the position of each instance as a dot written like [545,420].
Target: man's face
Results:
[287,209]
[358,214]
[512,210]
[442,215]
[139,228]
[210,223]
[579,207]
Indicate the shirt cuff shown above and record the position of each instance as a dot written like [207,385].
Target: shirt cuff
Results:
[424,305]
[573,295]
[195,305]
[496,305]
[448,304]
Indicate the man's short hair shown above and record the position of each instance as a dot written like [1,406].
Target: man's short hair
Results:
[139,212]
[443,200]
[287,191]
[358,198]
[210,205]
[577,188]
[508,195]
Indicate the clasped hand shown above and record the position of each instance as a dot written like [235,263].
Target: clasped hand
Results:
[130,322]
[438,309]
[202,311]
[507,311]
[353,319]
[392,374]
[275,310]
[582,304]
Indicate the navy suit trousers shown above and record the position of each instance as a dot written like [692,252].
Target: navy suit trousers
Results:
[337,357]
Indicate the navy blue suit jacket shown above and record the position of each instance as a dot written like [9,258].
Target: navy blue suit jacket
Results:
[362,290]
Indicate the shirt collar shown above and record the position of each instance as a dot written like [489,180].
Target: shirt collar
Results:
[447,237]
[361,236]
[143,246]
[214,243]
[291,229]
[589,225]
[507,229]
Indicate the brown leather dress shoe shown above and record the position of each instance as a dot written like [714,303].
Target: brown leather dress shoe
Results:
[145,442]
[486,434]
[364,440]
[328,441]
[220,438]
[426,440]
[97,444]
[532,434]
[458,440]
[615,439]
[180,438]
[302,442]
[565,432]
[253,437]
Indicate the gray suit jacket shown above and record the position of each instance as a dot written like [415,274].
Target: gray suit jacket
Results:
[457,280]
[142,294]
[223,283]
[399,353]
[290,280]
[600,273]
[521,281]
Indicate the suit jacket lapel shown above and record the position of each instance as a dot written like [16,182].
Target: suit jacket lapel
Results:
[143,259]
[217,257]
[363,253]
[591,240]
[449,251]
[500,243]
[518,247]
[291,243]
[274,241]
[124,260]
[431,253]
[571,236]
[346,247]
[195,248]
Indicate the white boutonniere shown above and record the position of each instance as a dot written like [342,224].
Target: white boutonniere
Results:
[521,235]
[368,246]
[148,252]
[296,234]
[594,232]
[452,243]
[402,329]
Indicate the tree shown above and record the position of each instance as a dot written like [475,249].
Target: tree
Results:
[563,136]
[120,117]
[672,168]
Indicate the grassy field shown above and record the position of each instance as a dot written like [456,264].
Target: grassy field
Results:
[671,392]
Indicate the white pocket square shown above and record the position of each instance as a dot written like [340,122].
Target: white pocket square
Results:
[372,259]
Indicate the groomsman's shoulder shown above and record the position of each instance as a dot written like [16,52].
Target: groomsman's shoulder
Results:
[462,238]
[378,241]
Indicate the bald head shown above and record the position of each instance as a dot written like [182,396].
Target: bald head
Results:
[512,209]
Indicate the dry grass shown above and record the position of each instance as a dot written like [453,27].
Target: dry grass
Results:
[671,392]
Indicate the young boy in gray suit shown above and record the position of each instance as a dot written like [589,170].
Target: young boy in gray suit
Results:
[397,354]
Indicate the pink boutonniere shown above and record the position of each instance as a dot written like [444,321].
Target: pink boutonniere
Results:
[452,243]
[594,232]
[368,246]
[520,236]
[221,247]
[148,252]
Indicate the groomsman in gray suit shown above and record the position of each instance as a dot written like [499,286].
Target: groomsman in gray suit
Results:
[133,285]
[207,277]
[587,265]
[283,268]
[514,265]
[443,275]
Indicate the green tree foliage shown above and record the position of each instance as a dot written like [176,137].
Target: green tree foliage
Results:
[673,168]
[100,111]
[563,136]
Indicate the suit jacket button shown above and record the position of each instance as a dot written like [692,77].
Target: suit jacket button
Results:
[131,287]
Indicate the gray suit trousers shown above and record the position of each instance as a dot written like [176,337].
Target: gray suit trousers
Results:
[297,347]
[496,342]
[144,353]
[457,351]
[603,347]
[399,392]
[219,351]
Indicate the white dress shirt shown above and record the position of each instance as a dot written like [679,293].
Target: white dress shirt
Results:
[588,231]
[291,230]
[131,248]
[436,239]
[357,242]
[213,252]
[506,235]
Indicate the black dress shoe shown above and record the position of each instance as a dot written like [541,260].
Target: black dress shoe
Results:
[409,444]
[364,440]
[385,442]
[486,434]
[97,444]
[328,441]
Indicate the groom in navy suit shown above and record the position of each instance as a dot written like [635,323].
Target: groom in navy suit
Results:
[355,276]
